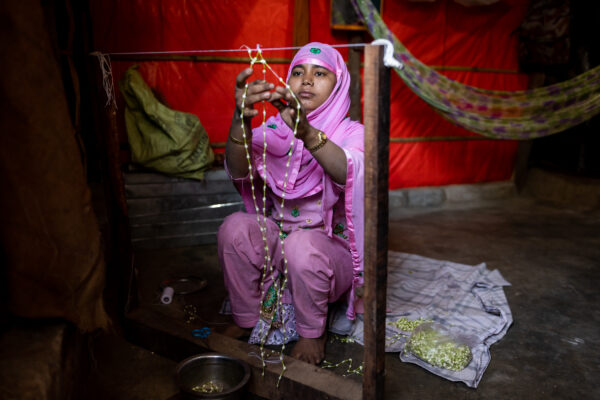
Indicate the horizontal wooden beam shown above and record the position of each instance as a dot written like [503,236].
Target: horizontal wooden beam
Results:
[440,139]
[278,60]
[173,338]
[192,58]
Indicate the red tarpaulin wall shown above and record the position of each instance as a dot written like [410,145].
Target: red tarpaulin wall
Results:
[442,33]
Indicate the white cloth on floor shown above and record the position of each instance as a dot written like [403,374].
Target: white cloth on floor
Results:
[464,297]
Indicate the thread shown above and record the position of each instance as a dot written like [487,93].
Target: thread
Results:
[107,78]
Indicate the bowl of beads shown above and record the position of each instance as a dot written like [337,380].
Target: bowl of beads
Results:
[212,376]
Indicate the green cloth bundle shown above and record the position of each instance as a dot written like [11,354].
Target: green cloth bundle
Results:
[165,140]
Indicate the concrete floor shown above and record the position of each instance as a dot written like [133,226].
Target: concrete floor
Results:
[551,255]
[552,258]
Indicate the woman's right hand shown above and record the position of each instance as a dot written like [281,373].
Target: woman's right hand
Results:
[258,91]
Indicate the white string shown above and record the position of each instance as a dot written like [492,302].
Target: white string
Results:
[107,77]
[388,57]
[266,360]
[241,49]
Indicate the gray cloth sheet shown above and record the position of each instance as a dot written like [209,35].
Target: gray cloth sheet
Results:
[466,299]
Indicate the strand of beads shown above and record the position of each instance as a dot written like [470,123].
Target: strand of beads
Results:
[262,224]
[358,370]
[267,267]
[283,285]
[268,263]
[279,288]
[281,237]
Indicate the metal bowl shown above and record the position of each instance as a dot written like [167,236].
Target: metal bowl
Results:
[212,376]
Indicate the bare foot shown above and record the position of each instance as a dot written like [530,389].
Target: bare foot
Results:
[310,350]
[236,332]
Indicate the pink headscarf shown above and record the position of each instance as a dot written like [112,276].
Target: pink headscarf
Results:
[305,174]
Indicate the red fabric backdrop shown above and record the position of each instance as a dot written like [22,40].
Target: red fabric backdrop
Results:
[441,33]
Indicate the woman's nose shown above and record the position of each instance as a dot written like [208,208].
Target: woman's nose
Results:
[307,82]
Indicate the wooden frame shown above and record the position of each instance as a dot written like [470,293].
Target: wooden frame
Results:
[301,380]
[377,129]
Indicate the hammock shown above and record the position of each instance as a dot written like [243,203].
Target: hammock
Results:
[520,115]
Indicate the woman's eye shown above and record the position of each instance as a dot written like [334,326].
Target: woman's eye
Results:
[319,73]
[296,73]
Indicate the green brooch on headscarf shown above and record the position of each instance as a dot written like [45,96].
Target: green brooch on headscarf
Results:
[272,126]
[314,50]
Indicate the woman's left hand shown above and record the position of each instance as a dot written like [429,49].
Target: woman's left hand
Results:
[331,157]
[289,111]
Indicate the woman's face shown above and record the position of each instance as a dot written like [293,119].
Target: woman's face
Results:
[312,84]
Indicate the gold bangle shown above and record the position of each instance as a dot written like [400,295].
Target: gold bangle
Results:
[322,141]
[236,141]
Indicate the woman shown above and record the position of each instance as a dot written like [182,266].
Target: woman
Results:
[321,219]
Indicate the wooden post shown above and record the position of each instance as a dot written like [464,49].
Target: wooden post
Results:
[114,167]
[120,287]
[301,22]
[354,55]
[377,128]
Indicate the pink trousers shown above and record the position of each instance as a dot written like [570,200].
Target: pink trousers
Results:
[319,270]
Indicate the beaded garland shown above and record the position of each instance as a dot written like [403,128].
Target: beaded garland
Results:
[358,370]
[267,266]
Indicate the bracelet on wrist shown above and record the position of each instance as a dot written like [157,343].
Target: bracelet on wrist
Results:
[322,140]
[236,141]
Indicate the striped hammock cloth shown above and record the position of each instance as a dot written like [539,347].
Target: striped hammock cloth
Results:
[520,115]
